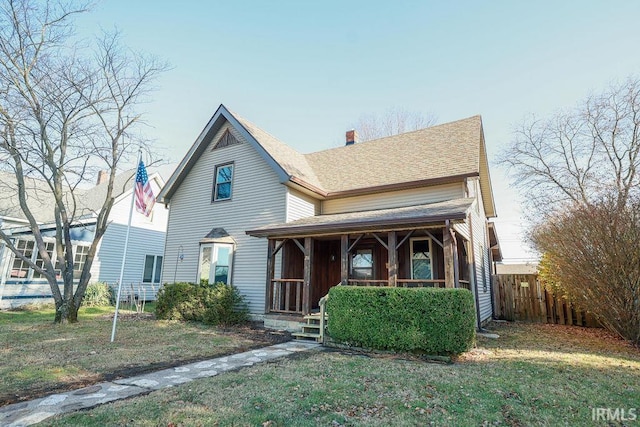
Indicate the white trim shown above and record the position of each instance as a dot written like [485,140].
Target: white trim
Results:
[215,248]
[414,239]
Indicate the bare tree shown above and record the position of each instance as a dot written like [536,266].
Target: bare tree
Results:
[66,110]
[579,155]
[394,121]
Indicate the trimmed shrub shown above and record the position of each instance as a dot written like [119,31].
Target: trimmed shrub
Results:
[180,301]
[98,295]
[217,304]
[426,320]
[225,306]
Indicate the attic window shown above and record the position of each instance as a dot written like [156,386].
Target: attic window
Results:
[226,140]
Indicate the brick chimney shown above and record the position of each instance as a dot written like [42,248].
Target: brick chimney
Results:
[352,137]
[102,177]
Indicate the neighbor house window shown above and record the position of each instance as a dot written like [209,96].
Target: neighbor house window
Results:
[216,262]
[421,262]
[152,269]
[222,186]
[49,246]
[362,264]
[79,260]
[20,269]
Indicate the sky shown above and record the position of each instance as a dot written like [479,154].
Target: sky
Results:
[306,71]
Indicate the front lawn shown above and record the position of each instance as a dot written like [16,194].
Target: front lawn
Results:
[532,375]
[39,357]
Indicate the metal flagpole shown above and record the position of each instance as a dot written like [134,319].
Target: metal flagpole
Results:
[126,244]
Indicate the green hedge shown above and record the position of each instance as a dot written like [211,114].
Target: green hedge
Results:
[217,304]
[428,320]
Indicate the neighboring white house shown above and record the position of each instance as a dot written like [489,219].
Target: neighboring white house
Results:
[20,285]
[406,210]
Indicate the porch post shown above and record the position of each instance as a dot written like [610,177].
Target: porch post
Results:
[271,245]
[306,288]
[344,259]
[456,259]
[449,263]
[393,258]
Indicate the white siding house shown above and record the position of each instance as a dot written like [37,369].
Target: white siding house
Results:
[293,224]
[20,285]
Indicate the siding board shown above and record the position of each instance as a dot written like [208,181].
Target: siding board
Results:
[394,199]
[257,199]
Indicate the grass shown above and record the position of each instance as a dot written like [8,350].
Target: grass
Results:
[40,357]
[533,375]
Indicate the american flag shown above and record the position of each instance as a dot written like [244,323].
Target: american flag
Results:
[144,195]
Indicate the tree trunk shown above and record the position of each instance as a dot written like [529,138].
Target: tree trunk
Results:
[66,312]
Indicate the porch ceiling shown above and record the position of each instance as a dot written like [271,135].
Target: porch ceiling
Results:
[382,219]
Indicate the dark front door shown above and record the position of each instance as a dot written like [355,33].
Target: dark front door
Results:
[325,270]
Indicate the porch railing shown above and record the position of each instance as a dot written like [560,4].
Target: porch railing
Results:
[286,296]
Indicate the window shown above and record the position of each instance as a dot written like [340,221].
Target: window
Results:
[152,269]
[40,262]
[362,264]
[79,259]
[215,263]
[421,264]
[222,186]
[20,268]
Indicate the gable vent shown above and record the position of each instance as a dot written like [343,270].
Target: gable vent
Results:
[226,140]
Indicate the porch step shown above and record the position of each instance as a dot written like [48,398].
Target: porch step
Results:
[311,330]
[306,336]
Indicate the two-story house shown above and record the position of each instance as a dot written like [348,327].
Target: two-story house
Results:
[284,227]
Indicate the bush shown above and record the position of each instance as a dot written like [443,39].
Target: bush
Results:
[428,320]
[98,295]
[225,306]
[217,304]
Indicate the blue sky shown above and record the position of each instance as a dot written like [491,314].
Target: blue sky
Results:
[306,71]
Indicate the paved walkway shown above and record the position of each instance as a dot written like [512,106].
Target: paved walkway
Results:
[34,411]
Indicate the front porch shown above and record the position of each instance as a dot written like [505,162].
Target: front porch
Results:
[301,270]
[416,246]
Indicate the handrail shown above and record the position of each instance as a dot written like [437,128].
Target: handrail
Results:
[323,311]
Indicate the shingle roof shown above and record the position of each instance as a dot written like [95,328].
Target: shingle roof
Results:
[394,218]
[439,153]
[450,149]
[40,199]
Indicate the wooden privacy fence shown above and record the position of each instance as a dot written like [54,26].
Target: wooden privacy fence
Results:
[521,297]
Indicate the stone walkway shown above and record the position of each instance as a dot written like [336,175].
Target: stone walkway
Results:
[34,411]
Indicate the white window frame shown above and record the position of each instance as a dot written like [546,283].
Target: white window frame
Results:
[216,183]
[215,249]
[411,252]
[75,253]
[154,266]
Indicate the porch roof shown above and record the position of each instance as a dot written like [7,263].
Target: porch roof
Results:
[381,219]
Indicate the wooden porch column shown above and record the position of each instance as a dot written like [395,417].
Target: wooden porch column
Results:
[449,244]
[271,245]
[306,287]
[344,259]
[393,258]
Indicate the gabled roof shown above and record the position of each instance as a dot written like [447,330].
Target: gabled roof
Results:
[438,154]
[41,201]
